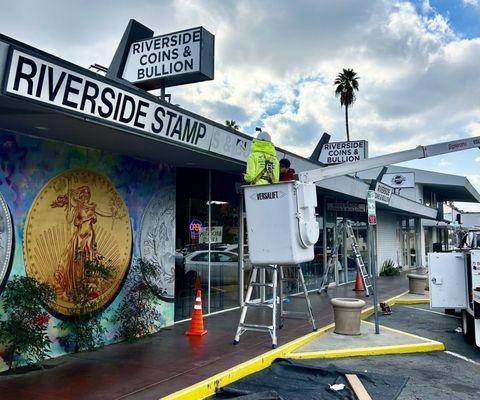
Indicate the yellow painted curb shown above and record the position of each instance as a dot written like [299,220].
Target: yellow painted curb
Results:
[427,345]
[208,386]
[371,351]
[412,301]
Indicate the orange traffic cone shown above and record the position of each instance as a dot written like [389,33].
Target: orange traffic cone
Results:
[196,324]
[359,283]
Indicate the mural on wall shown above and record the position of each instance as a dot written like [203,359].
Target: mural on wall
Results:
[77,217]
[6,241]
[157,240]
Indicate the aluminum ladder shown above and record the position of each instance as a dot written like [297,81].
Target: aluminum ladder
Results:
[248,303]
[259,271]
[367,284]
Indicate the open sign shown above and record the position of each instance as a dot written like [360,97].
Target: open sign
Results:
[195,227]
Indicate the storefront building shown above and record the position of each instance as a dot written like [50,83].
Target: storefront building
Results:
[96,166]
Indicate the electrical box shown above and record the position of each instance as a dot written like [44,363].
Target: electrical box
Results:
[448,282]
[281,222]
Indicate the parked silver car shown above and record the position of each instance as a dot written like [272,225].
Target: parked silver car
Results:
[223,266]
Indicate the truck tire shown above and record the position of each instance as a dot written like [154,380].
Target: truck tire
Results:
[468,327]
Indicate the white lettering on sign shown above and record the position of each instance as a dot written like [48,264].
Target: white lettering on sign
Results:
[162,56]
[343,152]
[383,193]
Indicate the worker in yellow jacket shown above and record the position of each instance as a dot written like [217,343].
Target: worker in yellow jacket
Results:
[262,163]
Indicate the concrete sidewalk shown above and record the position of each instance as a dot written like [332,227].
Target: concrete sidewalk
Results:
[169,361]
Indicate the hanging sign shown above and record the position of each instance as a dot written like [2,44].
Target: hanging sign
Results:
[399,180]
[383,193]
[346,207]
[343,152]
[216,235]
[195,228]
[173,59]
[371,208]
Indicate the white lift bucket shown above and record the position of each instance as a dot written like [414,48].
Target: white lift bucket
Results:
[281,223]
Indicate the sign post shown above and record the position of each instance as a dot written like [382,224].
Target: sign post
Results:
[372,221]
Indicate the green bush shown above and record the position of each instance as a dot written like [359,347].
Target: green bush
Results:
[389,268]
[23,329]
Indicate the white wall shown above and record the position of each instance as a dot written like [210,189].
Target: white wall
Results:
[388,242]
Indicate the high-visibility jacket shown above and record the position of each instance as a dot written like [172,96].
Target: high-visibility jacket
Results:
[262,163]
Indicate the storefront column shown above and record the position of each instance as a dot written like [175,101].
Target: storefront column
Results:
[420,243]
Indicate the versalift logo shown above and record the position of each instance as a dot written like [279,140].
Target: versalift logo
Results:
[276,194]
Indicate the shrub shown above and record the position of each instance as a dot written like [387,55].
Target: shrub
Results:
[137,314]
[24,330]
[84,330]
[389,269]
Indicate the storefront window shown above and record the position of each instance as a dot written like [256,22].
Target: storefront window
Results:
[191,257]
[224,219]
[207,228]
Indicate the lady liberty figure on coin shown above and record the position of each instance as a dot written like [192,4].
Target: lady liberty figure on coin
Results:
[81,215]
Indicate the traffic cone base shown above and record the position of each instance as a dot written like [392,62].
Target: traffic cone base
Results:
[358,283]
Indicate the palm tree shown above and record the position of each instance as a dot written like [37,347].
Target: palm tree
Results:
[347,83]
[232,124]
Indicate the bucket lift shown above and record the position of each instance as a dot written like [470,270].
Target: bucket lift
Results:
[281,221]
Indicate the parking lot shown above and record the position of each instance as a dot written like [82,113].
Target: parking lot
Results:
[441,375]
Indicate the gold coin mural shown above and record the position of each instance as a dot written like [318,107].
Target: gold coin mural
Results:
[76,220]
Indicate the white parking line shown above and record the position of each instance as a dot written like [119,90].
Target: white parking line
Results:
[433,312]
[462,357]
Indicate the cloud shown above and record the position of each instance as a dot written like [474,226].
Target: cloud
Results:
[444,163]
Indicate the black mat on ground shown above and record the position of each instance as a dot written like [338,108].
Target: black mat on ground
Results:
[298,380]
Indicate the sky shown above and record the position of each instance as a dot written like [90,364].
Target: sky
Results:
[276,60]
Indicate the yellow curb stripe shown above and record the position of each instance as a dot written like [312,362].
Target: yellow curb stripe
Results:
[208,386]
[387,328]
[371,351]
[412,301]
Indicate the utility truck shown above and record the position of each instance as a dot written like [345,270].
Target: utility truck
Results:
[454,280]
[282,229]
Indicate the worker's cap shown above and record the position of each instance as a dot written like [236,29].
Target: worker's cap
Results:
[285,163]
[265,136]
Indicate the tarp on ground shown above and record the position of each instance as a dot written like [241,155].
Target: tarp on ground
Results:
[300,380]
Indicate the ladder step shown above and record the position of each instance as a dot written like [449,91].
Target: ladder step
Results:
[250,304]
[254,327]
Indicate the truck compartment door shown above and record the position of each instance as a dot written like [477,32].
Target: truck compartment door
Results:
[447,276]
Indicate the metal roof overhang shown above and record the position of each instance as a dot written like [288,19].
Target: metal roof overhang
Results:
[350,189]
[23,116]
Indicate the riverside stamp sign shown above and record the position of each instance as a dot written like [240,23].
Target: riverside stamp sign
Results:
[343,152]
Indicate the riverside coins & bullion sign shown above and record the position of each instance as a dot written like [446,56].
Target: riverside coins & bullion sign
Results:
[172,59]
[343,152]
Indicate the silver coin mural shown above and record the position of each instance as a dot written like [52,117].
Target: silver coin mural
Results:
[6,240]
[157,241]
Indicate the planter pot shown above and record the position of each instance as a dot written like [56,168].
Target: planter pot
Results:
[417,283]
[347,313]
